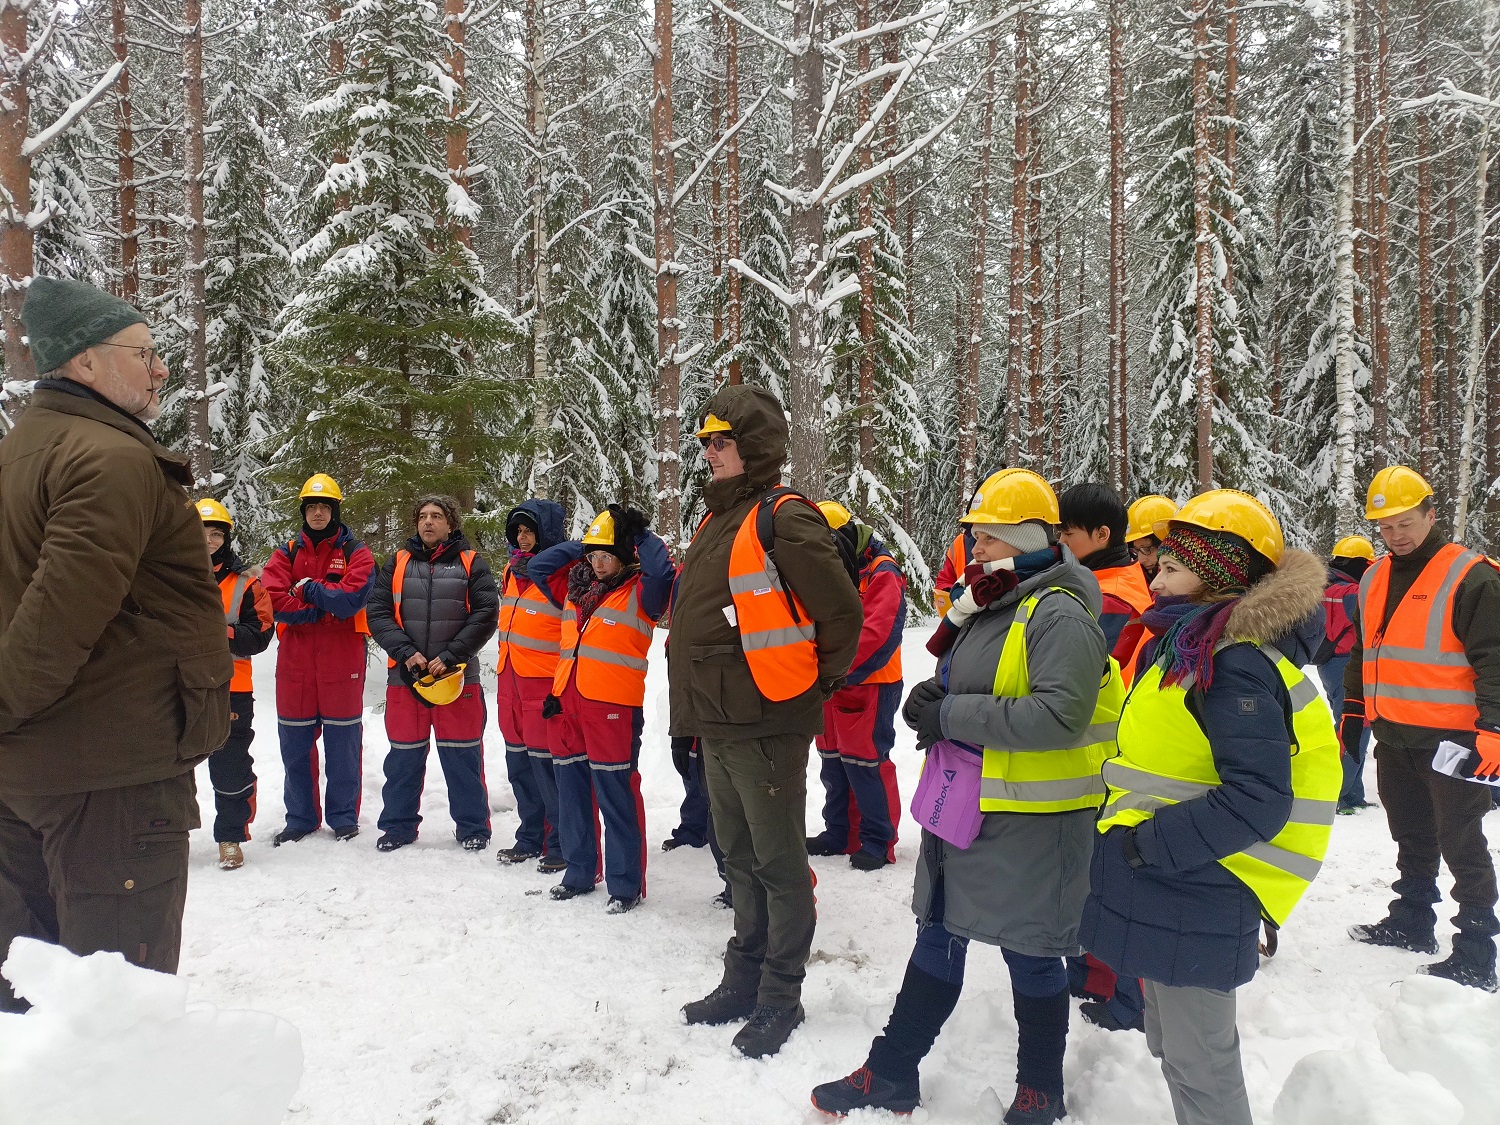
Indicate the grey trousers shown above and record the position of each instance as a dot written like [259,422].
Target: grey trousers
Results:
[1192,1032]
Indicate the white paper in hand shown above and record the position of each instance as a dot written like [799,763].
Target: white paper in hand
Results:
[1449,758]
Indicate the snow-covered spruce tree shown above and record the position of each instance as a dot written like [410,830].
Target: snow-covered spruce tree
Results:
[387,353]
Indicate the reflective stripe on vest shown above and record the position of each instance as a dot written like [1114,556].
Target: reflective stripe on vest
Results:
[1165,758]
[890,672]
[530,631]
[610,655]
[398,581]
[776,631]
[1415,670]
[232,589]
[1048,781]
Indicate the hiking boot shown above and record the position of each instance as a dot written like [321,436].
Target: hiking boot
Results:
[389,843]
[562,892]
[551,864]
[868,861]
[515,855]
[864,1089]
[618,905]
[347,832]
[1464,971]
[230,856]
[672,843]
[724,900]
[474,843]
[819,845]
[722,1005]
[1035,1107]
[1388,933]
[290,836]
[1100,1016]
[767,1030]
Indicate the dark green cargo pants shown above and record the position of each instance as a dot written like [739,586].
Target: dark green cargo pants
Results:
[757,790]
[105,870]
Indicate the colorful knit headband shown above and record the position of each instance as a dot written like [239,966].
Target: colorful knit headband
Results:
[1223,561]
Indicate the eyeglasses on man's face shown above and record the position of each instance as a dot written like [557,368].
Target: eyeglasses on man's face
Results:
[147,355]
[717,442]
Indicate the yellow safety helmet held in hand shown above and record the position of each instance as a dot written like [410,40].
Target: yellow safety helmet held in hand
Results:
[442,690]
[835,513]
[1354,547]
[1013,496]
[1235,512]
[211,511]
[1145,513]
[713,424]
[321,486]
[1394,490]
[601,532]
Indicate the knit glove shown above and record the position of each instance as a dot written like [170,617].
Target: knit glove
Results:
[1352,727]
[630,525]
[1487,743]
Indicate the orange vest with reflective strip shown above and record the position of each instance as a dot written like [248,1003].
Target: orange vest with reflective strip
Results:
[1128,583]
[233,587]
[530,630]
[891,672]
[398,580]
[958,559]
[610,655]
[1415,669]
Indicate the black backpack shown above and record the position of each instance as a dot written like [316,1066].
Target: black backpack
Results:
[765,532]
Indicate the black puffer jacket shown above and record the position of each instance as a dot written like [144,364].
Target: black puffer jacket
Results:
[445,612]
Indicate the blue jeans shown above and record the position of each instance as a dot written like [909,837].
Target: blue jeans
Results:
[1352,795]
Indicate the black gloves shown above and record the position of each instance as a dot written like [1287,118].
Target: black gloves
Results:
[551,707]
[924,712]
[1352,726]
[630,525]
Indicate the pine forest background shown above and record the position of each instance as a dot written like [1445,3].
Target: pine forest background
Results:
[510,247]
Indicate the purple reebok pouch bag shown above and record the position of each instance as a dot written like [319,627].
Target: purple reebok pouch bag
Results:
[946,802]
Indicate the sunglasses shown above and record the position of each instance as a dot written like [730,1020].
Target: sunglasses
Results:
[717,442]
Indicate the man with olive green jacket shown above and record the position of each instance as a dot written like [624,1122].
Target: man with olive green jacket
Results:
[114,651]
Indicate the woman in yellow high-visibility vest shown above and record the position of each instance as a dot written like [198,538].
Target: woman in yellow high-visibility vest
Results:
[1222,796]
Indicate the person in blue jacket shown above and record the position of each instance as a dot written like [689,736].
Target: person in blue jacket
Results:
[1212,823]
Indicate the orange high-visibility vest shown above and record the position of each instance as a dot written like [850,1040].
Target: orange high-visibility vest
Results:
[958,558]
[530,630]
[1415,669]
[610,654]
[891,672]
[398,580]
[1128,583]
[232,588]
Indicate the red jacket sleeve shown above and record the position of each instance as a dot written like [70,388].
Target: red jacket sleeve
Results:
[346,597]
[946,574]
[277,579]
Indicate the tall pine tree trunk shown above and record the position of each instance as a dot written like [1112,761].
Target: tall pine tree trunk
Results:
[733,310]
[16,242]
[130,274]
[536,35]
[195,268]
[1035,312]
[456,139]
[1203,339]
[805,351]
[1345,512]
[1452,310]
[1427,384]
[1231,126]
[1015,362]
[669,373]
[866,262]
[968,386]
[1119,432]
[1380,159]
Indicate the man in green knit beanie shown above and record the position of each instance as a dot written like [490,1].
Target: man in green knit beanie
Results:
[114,656]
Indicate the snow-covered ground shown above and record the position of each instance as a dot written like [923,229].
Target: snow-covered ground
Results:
[434,987]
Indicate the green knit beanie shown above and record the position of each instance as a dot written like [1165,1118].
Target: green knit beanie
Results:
[63,317]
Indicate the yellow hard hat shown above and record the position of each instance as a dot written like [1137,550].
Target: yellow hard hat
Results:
[321,486]
[1394,490]
[1144,515]
[444,689]
[601,532]
[1238,513]
[211,511]
[835,513]
[1013,496]
[1354,547]
[713,424]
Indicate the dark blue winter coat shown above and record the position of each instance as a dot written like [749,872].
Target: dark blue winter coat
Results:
[1181,918]
[548,517]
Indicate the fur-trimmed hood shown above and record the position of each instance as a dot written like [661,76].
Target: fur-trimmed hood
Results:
[1284,608]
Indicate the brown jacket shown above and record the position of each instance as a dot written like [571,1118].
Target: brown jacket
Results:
[712,692]
[114,656]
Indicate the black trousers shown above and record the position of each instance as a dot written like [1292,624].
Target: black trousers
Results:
[232,773]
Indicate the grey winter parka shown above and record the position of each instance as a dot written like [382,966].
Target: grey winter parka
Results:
[1023,882]
[445,612]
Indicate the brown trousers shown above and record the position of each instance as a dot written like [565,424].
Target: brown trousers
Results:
[105,870]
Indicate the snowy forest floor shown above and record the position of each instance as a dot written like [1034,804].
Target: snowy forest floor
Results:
[434,987]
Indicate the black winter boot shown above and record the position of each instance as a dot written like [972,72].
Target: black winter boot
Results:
[1408,924]
[864,1089]
[389,843]
[1042,1026]
[1035,1107]
[819,845]
[868,861]
[289,836]
[767,1030]
[1472,962]
[922,1007]
[722,1005]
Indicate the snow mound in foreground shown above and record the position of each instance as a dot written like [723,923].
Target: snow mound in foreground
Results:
[1452,1033]
[1359,1084]
[107,1041]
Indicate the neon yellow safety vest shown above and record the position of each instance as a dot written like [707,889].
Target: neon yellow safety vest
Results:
[1165,758]
[1048,781]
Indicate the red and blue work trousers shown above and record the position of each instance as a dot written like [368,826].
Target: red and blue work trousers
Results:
[321,690]
[410,725]
[232,773]
[862,809]
[528,758]
[596,753]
